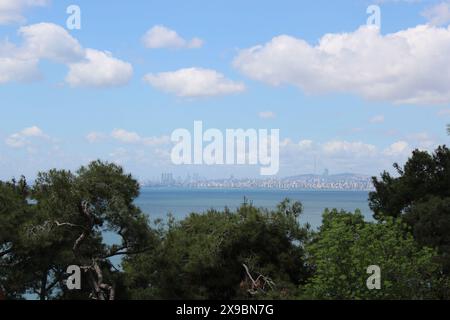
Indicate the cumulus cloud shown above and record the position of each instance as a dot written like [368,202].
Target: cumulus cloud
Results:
[87,67]
[24,137]
[50,41]
[125,136]
[407,67]
[99,69]
[356,149]
[398,148]
[40,41]
[267,115]
[346,156]
[163,37]
[130,137]
[439,14]
[194,82]
[305,144]
[16,69]
[11,11]
[94,137]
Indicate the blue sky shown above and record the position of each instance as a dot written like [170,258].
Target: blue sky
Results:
[60,111]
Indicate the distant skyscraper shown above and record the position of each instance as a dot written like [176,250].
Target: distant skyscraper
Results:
[167,179]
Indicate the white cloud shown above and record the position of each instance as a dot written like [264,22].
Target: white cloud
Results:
[194,82]
[302,145]
[14,69]
[357,149]
[363,62]
[100,69]
[423,141]
[439,14]
[50,41]
[163,37]
[307,156]
[397,149]
[125,136]
[156,141]
[40,41]
[130,137]
[444,112]
[305,144]
[24,137]
[11,11]
[267,115]
[94,137]
[377,119]
[87,67]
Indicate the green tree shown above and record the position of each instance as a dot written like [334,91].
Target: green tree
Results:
[420,194]
[223,255]
[346,246]
[423,176]
[431,226]
[70,215]
[14,211]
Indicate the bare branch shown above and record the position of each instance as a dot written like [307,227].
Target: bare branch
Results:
[66,224]
[258,285]
[84,211]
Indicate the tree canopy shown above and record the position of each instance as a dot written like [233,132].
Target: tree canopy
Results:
[249,253]
[89,219]
[420,194]
[346,246]
[61,220]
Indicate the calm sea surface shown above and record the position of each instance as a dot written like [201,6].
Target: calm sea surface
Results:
[158,202]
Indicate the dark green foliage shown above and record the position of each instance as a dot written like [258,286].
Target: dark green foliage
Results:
[423,176]
[430,221]
[202,256]
[14,212]
[61,221]
[421,195]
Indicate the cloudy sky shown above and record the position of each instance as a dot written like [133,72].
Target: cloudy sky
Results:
[345,96]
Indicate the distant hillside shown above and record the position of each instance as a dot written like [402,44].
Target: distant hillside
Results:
[328,178]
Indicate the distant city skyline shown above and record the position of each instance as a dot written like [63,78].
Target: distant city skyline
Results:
[325,181]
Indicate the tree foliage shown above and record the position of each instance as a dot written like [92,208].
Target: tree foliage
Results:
[421,195]
[346,246]
[14,211]
[88,218]
[249,253]
[64,219]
